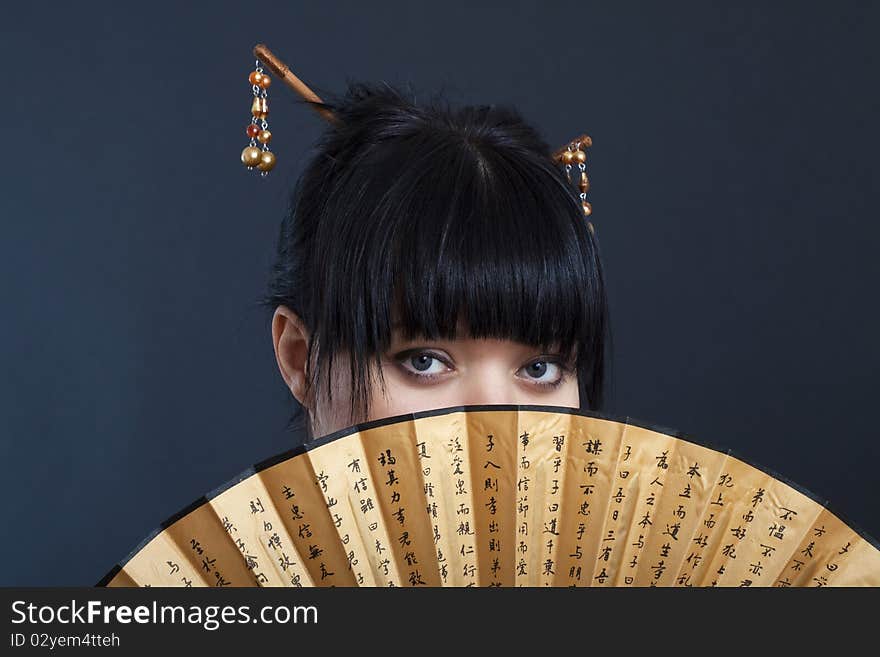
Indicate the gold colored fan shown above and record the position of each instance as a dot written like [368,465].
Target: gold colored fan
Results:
[504,495]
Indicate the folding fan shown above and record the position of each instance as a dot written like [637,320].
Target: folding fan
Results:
[504,495]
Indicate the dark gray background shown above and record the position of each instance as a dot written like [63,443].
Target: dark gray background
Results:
[733,173]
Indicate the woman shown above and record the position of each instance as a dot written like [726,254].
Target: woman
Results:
[432,257]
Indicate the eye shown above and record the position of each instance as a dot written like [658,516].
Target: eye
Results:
[546,372]
[422,364]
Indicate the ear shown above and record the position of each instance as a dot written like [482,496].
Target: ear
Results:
[291,340]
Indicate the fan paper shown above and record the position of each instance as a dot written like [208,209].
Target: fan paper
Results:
[504,495]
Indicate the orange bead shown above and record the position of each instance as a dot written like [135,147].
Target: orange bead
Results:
[588,209]
[254,78]
[265,81]
[253,130]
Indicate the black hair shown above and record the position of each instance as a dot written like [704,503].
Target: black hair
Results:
[425,214]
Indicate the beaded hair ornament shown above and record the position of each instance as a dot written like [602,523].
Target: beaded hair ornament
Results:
[256,155]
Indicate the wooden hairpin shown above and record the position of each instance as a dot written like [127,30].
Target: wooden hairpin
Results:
[570,154]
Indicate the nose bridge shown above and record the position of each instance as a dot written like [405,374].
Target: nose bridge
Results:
[489,383]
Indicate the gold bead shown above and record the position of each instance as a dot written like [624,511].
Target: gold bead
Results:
[267,161]
[264,81]
[579,156]
[264,137]
[567,157]
[588,209]
[585,182]
[259,108]
[250,156]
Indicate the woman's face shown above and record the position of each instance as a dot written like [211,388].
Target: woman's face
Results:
[426,374]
